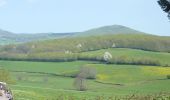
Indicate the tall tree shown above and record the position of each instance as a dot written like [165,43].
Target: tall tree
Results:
[85,73]
[165,5]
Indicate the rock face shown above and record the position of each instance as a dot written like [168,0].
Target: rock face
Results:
[5,93]
[3,96]
[107,56]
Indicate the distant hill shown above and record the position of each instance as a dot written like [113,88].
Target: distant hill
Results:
[41,36]
[112,29]
[4,33]
[11,38]
[6,37]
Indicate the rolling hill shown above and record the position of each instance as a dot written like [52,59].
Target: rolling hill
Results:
[139,63]
[11,38]
[6,37]
[81,48]
[112,29]
[5,33]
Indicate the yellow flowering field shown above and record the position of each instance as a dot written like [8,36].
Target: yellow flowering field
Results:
[156,70]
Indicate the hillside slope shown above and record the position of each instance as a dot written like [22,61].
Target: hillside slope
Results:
[11,38]
[82,44]
[5,33]
[112,29]
[87,48]
[6,37]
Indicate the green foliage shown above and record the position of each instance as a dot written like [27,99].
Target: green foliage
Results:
[128,56]
[134,61]
[145,42]
[53,80]
[119,56]
[5,76]
[168,76]
[71,49]
[79,96]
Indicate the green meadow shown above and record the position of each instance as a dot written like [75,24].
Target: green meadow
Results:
[49,80]
[105,67]
[129,56]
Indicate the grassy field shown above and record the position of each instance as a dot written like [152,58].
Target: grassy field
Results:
[48,81]
[117,66]
[119,56]
[128,55]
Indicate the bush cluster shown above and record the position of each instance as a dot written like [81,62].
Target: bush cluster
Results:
[168,76]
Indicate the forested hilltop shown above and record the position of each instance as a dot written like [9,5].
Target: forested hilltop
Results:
[7,37]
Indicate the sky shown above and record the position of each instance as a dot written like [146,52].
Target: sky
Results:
[40,16]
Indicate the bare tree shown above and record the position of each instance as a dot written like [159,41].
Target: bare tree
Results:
[80,80]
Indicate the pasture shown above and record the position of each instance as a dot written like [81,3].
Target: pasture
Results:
[50,80]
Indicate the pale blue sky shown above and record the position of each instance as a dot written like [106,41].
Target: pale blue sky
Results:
[32,16]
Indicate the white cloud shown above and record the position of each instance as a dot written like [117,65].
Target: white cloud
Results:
[3,2]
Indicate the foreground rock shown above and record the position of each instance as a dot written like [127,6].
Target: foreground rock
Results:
[5,92]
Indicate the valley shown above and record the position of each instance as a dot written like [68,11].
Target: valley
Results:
[119,65]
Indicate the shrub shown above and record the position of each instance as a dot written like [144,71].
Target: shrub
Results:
[168,76]
[5,76]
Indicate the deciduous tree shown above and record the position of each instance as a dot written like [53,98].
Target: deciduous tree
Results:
[165,5]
